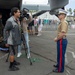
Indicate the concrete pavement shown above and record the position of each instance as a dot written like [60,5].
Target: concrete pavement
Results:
[43,52]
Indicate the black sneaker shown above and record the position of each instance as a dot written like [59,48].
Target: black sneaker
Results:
[16,63]
[13,68]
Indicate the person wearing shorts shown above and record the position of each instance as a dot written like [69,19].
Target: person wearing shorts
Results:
[12,37]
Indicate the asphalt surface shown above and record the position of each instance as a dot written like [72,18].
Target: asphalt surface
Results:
[43,52]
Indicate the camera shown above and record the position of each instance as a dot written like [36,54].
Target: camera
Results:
[24,14]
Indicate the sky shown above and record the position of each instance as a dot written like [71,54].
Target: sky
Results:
[35,1]
[70,5]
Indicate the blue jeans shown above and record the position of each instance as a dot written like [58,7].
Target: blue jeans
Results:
[19,48]
[26,36]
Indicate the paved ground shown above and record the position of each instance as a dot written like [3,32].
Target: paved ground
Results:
[43,52]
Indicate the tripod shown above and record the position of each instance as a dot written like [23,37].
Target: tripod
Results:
[25,47]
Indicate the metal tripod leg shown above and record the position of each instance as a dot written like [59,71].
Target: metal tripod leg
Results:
[30,61]
[24,43]
[7,57]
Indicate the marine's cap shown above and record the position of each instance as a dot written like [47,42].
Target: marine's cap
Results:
[61,11]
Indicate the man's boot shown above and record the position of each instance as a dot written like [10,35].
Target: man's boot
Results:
[12,67]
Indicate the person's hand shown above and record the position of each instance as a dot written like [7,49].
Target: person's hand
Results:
[55,39]
[7,45]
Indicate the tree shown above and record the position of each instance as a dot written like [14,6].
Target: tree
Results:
[74,12]
[70,11]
